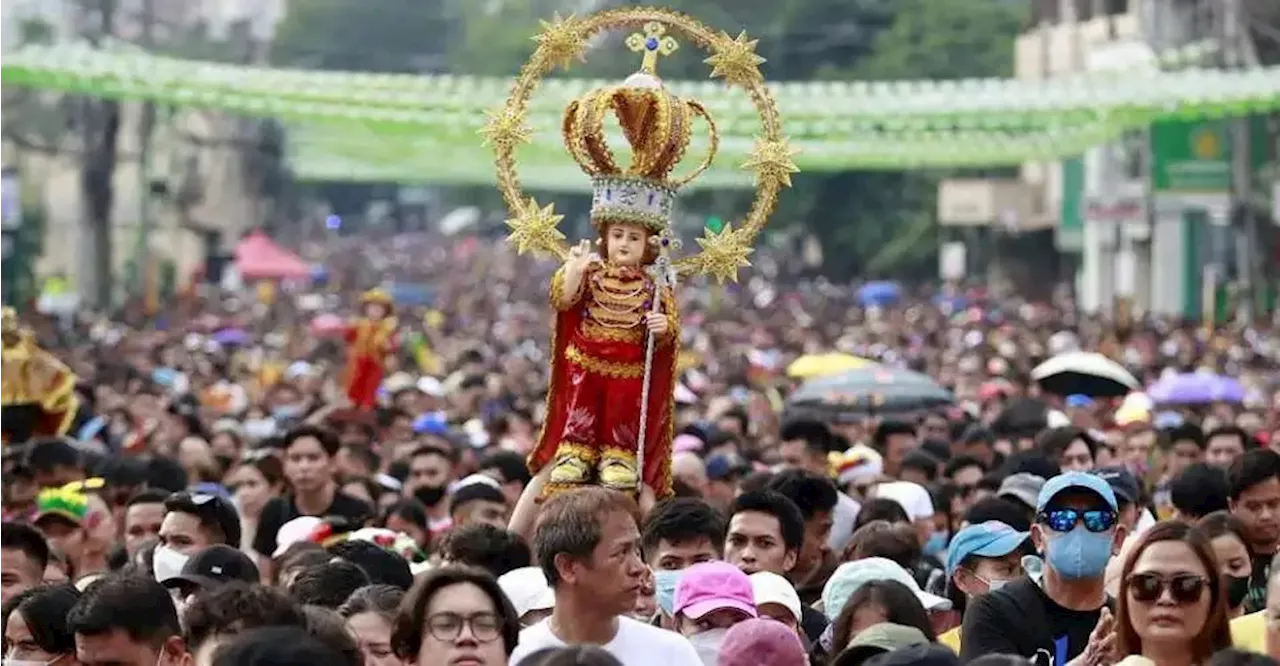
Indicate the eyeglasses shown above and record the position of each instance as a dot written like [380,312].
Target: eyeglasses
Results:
[1149,587]
[1065,520]
[448,626]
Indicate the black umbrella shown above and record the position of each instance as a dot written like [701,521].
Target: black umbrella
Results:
[871,390]
[1084,373]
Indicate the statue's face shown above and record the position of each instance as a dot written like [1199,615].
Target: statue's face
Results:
[375,310]
[626,243]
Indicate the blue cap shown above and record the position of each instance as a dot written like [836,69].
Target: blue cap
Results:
[1076,400]
[990,539]
[1072,480]
[723,465]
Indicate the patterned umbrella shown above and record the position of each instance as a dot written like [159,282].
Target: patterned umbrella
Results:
[871,390]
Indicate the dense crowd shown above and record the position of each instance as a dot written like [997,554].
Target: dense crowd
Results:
[218,500]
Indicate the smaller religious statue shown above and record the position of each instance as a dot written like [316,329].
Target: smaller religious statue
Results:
[37,391]
[615,340]
[370,339]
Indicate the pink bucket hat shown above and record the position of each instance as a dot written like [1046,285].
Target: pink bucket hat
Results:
[713,586]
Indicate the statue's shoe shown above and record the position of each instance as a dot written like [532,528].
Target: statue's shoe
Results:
[619,474]
[569,470]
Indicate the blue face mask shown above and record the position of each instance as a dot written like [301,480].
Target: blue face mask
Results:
[1078,554]
[936,544]
[664,588]
[285,412]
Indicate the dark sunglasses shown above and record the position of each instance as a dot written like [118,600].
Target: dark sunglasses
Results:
[1149,587]
[1065,520]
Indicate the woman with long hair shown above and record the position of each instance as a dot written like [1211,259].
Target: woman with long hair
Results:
[1227,536]
[1173,605]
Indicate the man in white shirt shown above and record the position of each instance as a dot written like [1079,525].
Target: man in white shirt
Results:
[588,544]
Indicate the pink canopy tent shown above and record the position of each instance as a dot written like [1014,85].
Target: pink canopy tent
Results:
[259,258]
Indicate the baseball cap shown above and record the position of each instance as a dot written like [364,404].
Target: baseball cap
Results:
[770,588]
[1122,483]
[881,638]
[713,586]
[214,566]
[527,589]
[990,539]
[1023,486]
[755,642]
[1075,481]
[913,498]
[850,576]
[67,503]
[293,531]
[724,465]
[929,654]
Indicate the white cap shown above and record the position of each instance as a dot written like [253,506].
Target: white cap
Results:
[770,588]
[431,386]
[294,531]
[913,498]
[527,589]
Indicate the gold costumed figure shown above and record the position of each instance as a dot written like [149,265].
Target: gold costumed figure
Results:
[617,331]
[37,391]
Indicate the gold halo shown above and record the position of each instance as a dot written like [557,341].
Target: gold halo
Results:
[564,40]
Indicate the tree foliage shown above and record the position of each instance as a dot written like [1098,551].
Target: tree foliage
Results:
[870,222]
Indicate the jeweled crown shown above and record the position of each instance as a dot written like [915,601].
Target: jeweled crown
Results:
[656,124]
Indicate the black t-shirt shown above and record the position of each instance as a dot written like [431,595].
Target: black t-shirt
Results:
[1020,619]
[813,623]
[280,510]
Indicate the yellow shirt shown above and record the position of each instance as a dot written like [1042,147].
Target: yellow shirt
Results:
[1249,632]
[951,639]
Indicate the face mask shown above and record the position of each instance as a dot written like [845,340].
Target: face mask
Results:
[664,588]
[10,661]
[936,544]
[1237,590]
[993,584]
[708,644]
[167,563]
[259,428]
[429,495]
[1078,554]
[285,412]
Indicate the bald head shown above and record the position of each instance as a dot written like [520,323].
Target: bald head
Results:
[689,468]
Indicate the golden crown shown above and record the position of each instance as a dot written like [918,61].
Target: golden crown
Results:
[656,123]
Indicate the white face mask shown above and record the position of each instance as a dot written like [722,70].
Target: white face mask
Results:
[10,661]
[708,643]
[994,584]
[167,563]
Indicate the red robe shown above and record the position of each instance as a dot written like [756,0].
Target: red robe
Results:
[369,343]
[597,375]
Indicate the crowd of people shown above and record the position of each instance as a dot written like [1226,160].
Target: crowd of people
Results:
[217,500]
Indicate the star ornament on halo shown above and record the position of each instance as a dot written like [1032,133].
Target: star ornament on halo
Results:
[562,40]
[735,59]
[505,128]
[771,160]
[535,229]
[724,253]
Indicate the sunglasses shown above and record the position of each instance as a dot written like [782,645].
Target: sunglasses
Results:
[1065,520]
[1149,587]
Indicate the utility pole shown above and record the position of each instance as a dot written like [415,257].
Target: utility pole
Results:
[146,127]
[1234,46]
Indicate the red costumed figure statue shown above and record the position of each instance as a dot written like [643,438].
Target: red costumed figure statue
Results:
[37,391]
[609,418]
[370,339]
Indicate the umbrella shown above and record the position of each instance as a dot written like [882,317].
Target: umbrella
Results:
[823,365]
[1084,373]
[232,336]
[872,389]
[327,324]
[1196,388]
[879,293]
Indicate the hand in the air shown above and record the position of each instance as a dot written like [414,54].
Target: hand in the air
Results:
[656,322]
[580,258]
